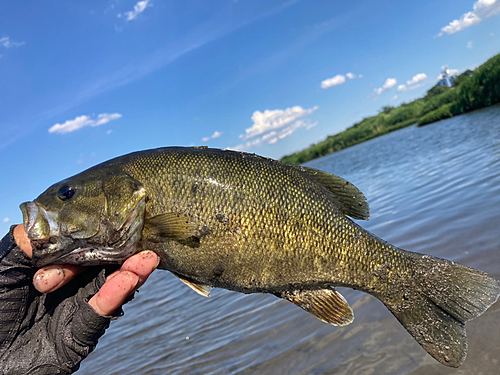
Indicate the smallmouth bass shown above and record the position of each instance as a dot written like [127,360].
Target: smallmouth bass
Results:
[250,224]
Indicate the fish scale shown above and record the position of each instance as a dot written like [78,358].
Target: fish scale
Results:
[239,221]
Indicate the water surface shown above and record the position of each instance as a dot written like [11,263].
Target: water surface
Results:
[434,190]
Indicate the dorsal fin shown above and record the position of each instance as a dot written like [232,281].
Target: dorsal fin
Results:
[352,200]
[327,305]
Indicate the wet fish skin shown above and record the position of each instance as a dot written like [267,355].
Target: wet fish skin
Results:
[254,225]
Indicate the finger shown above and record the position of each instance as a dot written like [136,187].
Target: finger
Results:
[113,292]
[110,276]
[142,264]
[50,278]
[22,240]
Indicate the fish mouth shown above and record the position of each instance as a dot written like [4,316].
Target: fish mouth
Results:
[42,229]
[39,223]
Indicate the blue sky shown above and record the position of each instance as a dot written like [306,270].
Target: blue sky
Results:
[82,82]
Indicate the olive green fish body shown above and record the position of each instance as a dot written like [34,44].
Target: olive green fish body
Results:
[261,225]
[246,223]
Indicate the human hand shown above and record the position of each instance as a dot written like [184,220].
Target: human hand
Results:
[119,285]
[51,318]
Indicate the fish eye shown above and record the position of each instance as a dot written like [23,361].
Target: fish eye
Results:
[66,192]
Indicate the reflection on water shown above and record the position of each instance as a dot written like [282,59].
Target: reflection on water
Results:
[434,190]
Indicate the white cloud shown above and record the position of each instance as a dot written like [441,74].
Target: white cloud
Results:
[481,8]
[487,8]
[389,84]
[6,220]
[216,134]
[339,79]
[272,126]
[138,9]
[8,43]
[104,118]
[412,84]
[492,35]
[467,20]
[275,136]
[81,121]
[269,120]
[334,81]
[469,44]
[417,78]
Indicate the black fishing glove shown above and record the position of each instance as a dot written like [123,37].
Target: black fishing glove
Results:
[45,333]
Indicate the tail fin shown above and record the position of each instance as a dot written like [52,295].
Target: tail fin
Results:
[435,306]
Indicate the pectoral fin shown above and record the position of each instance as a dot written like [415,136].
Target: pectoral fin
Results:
[327,305]
[171,225]
[202,290]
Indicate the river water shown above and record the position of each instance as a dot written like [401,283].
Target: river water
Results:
[434,190]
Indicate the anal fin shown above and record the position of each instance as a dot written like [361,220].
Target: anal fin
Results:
[202,290]
[327,305]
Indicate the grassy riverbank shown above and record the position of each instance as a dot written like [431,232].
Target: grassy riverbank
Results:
[473,90]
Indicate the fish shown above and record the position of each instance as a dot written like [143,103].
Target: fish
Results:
[239,221]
